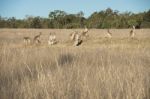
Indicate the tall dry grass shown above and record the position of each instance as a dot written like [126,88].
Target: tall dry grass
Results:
[110,69]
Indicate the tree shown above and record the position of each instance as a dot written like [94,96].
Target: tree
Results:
[80,14]
[56,17]
[2,22]
[36,22]
[59,19]
[146,20]
[56,14]
[12,22]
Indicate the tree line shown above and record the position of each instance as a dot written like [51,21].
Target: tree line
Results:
[60,19]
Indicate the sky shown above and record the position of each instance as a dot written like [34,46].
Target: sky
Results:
[21,8]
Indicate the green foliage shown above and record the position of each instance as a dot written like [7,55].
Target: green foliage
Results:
[36,23]
[59,19]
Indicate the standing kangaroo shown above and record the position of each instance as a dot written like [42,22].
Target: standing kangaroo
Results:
[36,39]
[132,32]
[27,40]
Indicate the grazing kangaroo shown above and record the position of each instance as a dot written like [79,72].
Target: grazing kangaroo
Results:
[36,39]
[27,40]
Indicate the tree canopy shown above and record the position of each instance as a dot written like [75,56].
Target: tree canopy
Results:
[60,19]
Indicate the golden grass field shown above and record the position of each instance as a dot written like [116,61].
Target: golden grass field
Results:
[101,68]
